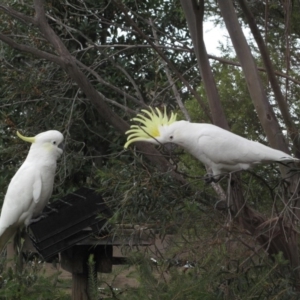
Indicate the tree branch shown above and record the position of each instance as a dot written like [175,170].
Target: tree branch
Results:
[163,56]
[31,50]
[101,80]
[185,49]
[69,64]
[13,13]
[170,79]
[234,63]
[49,34]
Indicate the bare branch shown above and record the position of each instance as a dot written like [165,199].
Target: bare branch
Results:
[19,16]
[234,63]
[124,107]
[47,31]
[101,80]
[170,79]
[185,49]
[131,80]
[31,50]
[163,56]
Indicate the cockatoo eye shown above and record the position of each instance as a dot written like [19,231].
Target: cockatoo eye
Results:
[171,137]
[54,142]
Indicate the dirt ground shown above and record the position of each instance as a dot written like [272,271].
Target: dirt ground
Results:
[122,276]
[51,269]
[119,278]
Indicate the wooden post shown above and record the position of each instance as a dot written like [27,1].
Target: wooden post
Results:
[103,258]
[10,255]
[75,260]
[13,256]
[80,286]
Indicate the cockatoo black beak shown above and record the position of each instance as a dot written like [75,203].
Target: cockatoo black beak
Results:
[61,146]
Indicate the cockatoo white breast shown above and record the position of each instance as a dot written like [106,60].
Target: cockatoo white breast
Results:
[219,149]
[31,187]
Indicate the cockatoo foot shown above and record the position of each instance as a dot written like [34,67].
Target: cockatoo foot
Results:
[50,210]
[209,178]
[43,216]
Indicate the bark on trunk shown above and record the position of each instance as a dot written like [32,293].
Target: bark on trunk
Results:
[284,241]
[282,103]
[261,103]
[194,16]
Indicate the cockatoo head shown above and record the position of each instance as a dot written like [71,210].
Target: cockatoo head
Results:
[50,142]
[156,127]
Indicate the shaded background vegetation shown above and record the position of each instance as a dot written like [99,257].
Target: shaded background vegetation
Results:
[135,54]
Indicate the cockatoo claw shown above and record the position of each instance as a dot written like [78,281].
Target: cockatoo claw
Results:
[209,178]
[42,216]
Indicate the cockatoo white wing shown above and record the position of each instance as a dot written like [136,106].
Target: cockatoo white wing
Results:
[23,193]
[222,146]
[37,187]
[225,151]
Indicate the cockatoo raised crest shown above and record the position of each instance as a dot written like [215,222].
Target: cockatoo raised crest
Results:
[150,130]
[31,187]
[219,149]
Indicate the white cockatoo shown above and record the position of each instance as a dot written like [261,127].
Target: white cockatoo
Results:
[31,187]
[219,149]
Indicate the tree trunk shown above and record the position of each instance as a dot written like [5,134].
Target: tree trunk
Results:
[285,241]
[282,103]
[261,103]
[194,16]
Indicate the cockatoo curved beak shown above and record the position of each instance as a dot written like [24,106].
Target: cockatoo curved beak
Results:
[61,146]
[25,138]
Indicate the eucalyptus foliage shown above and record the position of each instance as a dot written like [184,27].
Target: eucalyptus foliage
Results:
[127,50]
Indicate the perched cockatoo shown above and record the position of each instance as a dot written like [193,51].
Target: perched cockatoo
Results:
[31,187]
[219,149]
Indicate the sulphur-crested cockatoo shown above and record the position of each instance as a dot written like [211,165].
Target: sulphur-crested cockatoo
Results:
[31,187]
[219,149]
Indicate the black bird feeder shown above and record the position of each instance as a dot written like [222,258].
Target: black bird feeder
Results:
[67,221]
[73,227]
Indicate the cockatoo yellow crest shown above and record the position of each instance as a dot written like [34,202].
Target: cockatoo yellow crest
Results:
[219,149]
[31,187]
[25,138]
[151,125]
